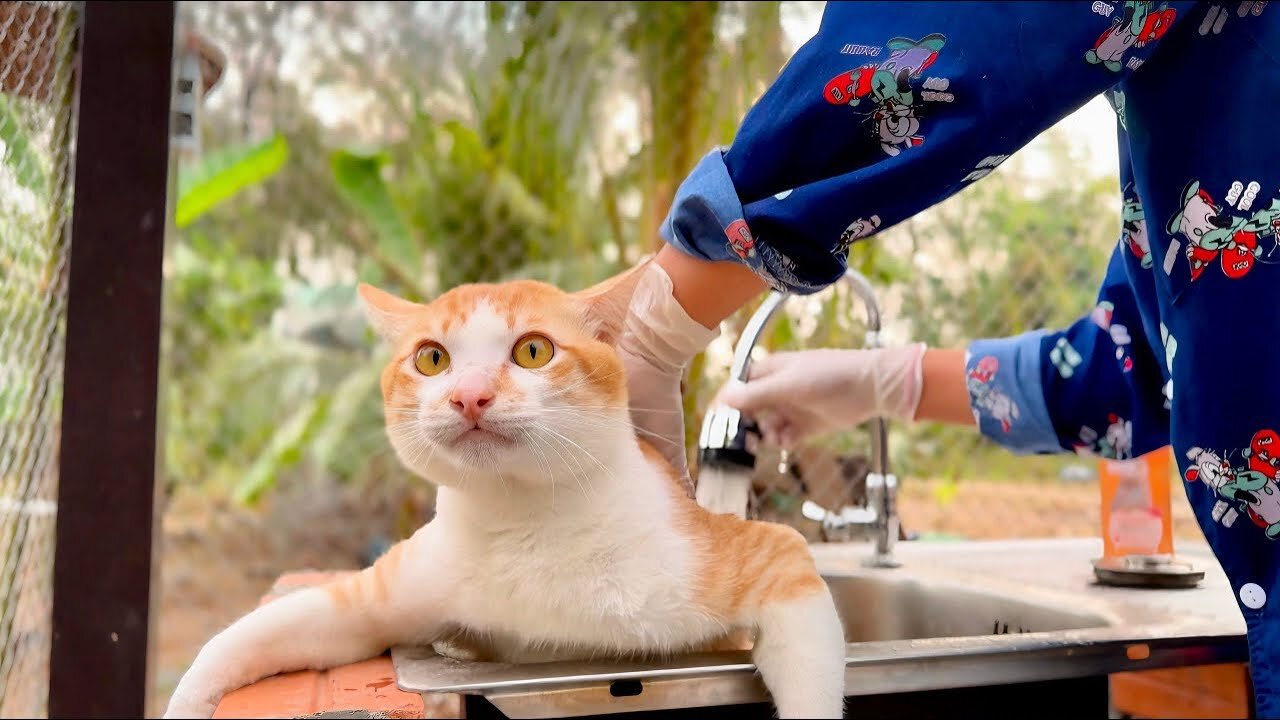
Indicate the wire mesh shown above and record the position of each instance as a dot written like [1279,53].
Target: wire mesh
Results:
[37,125]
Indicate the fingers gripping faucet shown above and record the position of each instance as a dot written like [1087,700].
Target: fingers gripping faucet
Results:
[728,436]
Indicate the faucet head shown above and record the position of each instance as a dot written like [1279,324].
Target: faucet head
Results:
[723,440]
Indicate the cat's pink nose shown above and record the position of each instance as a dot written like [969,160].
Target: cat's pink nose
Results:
[472,395]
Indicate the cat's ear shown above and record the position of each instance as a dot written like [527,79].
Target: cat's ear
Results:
[387,314]
[606,303]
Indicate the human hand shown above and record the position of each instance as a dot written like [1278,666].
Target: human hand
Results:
[658,341]
[796,395]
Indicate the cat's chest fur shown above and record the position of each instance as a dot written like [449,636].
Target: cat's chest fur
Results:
[611,572]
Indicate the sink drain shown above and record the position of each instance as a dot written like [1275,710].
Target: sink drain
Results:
[1151,571]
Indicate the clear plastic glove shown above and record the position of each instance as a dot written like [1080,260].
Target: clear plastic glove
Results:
[797,395]
[658,341]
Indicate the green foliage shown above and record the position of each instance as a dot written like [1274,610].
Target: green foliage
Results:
[18,155]
[223,174]
[283,450]
[360,179]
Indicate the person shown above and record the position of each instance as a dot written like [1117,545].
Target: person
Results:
[892,107]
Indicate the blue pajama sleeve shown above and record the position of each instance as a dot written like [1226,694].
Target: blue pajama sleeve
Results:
[1093,388]
[890,108]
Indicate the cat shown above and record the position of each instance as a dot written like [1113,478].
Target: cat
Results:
[558,533]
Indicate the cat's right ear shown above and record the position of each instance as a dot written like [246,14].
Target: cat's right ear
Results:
[388,315]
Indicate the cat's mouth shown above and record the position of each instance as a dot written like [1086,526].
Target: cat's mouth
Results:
[481,435]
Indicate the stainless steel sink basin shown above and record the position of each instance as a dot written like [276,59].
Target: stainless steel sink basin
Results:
[955,615]
[890,606]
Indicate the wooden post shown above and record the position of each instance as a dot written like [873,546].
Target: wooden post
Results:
[103,565]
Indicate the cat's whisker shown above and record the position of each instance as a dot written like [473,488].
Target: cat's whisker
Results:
[582,488]
[557,437]
[494,464]
[531,440]
[616,408]
[403,412]
[582,381]
[584,451]
[598,418]
[422,442]
[595,424]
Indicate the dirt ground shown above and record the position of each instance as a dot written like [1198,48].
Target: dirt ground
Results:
[217,560]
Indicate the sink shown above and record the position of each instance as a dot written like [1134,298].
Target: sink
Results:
[1001,625]
[879,607]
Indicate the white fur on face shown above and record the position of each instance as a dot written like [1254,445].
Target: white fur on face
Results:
[541,436]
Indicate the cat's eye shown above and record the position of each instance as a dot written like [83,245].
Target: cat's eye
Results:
[431,359]
[533,351]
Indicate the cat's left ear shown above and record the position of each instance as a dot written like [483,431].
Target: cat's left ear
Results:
[606,303]
[387,314]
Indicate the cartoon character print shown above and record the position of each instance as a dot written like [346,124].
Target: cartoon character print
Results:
[1170,350]
[987,398]
[1212,233]
[1134,224]
[1116,442]
[1216,16]
[857,230]
[1122,339]
[1213,471]
[1251,489]
[1258,495]
[1065,358]
[740,240]
[1102,315]
[897,127]
[888,86]
[1262,453]
[1117,100]
[1138,25]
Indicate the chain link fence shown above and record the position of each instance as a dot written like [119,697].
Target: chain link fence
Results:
[425,144]
[37,127]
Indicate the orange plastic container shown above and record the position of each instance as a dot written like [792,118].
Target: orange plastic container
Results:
[1136,514]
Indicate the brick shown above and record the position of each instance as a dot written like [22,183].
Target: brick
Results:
[371,685]
[288,695]
[368,685]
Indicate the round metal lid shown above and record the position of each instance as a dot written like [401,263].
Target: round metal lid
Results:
[1152,571]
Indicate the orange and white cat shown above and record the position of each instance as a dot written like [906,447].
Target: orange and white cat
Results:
[557,534]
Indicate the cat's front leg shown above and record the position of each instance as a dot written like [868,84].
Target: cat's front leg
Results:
[764,578]
[351,619]
[799,651]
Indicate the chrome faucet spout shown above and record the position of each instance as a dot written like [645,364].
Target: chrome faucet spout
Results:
[880,514]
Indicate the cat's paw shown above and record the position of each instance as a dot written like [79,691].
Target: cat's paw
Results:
[185,706]
[459,649]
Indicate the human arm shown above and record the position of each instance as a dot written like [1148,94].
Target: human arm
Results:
[887,110]
[1094,386]
[943,396]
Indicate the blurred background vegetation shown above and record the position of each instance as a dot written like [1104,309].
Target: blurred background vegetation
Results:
[422,145]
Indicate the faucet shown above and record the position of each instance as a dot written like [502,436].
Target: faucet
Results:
[724,429]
